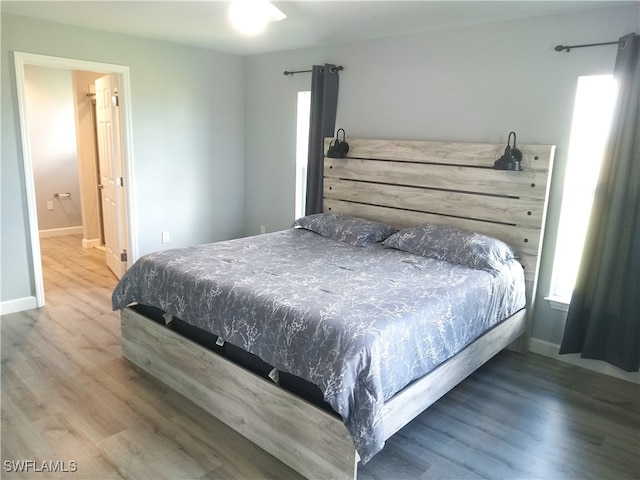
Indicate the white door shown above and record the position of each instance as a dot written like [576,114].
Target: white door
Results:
[111,180]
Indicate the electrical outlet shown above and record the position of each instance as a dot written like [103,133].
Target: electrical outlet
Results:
[165,237]
[50,205]
[263,229]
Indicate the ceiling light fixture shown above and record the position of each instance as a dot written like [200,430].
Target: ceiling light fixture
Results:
[251,16]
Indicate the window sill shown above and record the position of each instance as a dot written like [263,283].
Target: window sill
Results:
[557,303]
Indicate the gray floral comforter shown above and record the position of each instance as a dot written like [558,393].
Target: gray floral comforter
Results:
[359,322]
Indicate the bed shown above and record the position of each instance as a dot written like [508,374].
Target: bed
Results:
[399,184]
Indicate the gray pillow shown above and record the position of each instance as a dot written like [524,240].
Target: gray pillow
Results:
[345,228]
[444,242]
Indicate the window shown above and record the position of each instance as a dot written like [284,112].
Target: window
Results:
[302,151]
[595,99]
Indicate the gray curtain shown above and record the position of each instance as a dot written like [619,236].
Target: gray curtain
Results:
[324,105]
[603,322]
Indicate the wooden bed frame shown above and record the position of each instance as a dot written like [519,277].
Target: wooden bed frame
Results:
[402,183]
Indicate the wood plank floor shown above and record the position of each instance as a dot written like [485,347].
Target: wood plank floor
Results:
[67,395]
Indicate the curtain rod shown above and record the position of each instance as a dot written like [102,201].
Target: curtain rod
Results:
[560,48]
[333,70]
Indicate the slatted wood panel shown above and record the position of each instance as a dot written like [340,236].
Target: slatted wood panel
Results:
[525,184]
[406,183]
[448,153]
[464,204]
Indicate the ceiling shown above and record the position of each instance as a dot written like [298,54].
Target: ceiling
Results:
[308,23]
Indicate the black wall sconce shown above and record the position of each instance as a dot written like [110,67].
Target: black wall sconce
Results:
[511,158]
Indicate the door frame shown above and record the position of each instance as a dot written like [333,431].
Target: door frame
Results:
[21,59]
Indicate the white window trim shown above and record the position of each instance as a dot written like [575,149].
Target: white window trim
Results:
[557,303]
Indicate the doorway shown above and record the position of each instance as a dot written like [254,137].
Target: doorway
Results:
[126,209]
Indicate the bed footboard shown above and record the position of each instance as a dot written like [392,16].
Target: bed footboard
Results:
[306,438]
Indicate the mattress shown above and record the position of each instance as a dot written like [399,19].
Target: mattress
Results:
[360,323]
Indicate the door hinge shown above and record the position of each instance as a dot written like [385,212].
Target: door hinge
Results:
[115,100]
[123,257]
[120,181]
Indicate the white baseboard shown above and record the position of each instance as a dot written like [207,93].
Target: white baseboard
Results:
[59,232]
[17,305]
[551,350]
[90,242]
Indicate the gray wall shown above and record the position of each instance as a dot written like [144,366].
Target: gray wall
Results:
[469,84]
[188,134]
[52,130]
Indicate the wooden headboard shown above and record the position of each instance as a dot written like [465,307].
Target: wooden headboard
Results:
[406,183]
